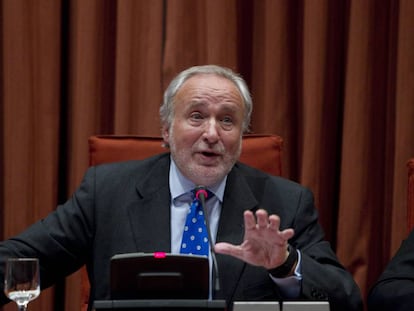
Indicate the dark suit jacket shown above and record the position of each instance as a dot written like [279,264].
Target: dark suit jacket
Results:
[394,290]
[125,207]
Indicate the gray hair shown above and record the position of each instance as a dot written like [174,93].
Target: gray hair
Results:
[167,108]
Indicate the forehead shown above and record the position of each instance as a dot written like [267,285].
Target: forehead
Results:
[209,86]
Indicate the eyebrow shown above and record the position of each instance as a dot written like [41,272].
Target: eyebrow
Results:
[227,105]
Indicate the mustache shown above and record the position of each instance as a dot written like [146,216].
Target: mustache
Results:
[216,148]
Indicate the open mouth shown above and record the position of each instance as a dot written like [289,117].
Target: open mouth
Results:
[209,154]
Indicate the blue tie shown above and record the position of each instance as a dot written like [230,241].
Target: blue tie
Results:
[195,236]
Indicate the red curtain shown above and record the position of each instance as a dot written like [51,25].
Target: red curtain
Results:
[333,78]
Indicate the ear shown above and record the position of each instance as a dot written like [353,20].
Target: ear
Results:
[166,134]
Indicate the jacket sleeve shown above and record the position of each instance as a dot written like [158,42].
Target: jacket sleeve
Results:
[60,240]
[394,289]
[323,277]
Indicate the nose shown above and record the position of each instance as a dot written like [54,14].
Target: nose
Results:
[211,134]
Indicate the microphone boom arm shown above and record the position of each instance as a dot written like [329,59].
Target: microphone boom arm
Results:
[201,194]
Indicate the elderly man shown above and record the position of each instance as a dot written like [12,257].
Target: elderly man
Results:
[264,228]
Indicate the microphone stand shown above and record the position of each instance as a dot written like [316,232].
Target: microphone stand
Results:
[201,194]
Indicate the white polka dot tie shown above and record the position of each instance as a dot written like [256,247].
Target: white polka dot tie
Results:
[195,236]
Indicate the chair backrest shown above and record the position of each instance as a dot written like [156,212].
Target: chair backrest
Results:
[410,195]
[260,151]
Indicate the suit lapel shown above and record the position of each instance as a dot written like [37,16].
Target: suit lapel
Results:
[150,211]
[238,197]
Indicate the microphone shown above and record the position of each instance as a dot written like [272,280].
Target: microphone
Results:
[201,194]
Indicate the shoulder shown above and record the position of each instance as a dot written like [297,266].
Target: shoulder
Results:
[283,197]
[133,164]
[268,189]
[253,175]
[128,169]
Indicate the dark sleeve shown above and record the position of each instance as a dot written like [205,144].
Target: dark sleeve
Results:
[60,241]
[394,289]
[323,276]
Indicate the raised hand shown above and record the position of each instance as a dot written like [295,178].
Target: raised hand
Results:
[263,244]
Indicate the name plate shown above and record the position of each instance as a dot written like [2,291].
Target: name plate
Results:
[286,305]
[256,306]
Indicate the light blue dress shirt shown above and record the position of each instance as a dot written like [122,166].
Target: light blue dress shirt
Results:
[180,188]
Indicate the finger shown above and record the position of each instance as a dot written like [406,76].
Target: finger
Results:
[274,222]
[262,219]
[228,249]
[287,234]
[249,220]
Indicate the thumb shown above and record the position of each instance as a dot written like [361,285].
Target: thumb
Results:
[227,249]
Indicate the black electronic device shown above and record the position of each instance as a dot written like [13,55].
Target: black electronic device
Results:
[159,276]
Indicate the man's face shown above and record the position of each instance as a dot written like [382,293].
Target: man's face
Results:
[206,132]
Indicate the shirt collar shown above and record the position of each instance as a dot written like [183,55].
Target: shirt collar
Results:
[180,185]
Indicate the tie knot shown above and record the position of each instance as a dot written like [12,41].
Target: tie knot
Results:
[198,193]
